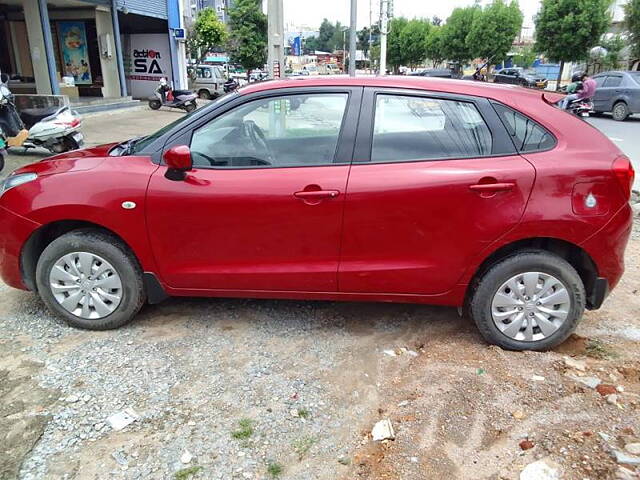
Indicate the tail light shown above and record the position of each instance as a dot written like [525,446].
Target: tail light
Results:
[623,171]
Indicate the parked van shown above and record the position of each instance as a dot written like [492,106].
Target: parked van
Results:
[206,81]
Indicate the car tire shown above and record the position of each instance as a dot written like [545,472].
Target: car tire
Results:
[204,95]
[490,291]
[620,111]
[105,252]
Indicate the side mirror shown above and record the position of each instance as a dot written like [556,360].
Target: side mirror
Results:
[178,160]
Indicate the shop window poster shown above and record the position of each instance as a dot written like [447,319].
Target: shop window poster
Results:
[75,56]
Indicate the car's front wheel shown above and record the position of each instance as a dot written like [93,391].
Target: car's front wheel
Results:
[531,300]
[90,279]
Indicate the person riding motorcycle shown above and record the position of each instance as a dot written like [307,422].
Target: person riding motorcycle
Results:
[163,89]
[582,87]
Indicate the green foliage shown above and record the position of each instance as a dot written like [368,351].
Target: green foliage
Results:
[245,430]
[186,473]
[303,445]
[413,41]
[632,24]
[206,34]
[434,48]
[567,29]
[493,30]
[395,55]
[326,37]
[524,57]
[614,46]
[248,38]
[455,31]
[304,413]
[274,469]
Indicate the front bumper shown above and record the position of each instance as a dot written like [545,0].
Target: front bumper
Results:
[14,232]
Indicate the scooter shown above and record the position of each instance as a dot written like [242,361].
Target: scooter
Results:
[3,148]
[580,107]
[55,128]
[165,96]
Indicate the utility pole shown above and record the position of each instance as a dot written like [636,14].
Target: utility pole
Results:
[352,39]
[275,40]
[384,29]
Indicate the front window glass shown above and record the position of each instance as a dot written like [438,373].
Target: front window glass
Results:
[286,131]
[419,128]
[613,81]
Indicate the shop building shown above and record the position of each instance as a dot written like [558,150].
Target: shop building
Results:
[111,48]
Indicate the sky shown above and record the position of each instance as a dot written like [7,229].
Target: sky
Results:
[311,12]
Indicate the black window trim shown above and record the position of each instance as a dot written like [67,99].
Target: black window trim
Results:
[502,144]
[539,150]
[346,138]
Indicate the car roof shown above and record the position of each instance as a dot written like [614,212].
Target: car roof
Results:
[496,91]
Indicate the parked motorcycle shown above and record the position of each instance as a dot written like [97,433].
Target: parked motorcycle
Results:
[165,96]
[3,148]
[230,85]
[55,128]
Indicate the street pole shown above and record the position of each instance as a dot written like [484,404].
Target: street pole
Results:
[384,26]
[352,39]
[275,41]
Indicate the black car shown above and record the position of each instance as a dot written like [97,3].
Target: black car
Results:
[518,76]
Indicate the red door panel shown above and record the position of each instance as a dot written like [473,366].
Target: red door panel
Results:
[411,227]
[246,229]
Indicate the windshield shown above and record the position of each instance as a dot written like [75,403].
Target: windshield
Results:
[149,139]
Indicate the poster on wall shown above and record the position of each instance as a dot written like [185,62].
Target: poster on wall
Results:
[73,47]
[147,60]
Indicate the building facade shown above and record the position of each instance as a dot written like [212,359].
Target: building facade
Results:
[91,48]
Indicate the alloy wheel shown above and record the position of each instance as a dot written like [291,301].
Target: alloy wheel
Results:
[86,285]
[530,306]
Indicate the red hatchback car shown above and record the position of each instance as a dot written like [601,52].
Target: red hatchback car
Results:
[374,189]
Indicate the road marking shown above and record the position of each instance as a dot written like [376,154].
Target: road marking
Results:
[616,139]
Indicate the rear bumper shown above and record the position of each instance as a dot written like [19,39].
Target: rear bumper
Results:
[14,232]
[606,247]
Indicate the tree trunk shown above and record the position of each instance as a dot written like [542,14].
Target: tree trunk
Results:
[559,79]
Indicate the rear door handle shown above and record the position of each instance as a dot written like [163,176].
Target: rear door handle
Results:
[492,187]
[316,194]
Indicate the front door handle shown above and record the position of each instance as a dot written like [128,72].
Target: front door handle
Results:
[492,187]
[316,194]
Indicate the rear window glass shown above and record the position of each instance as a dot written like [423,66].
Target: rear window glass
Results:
[612,81]
[527,135]
[635,76]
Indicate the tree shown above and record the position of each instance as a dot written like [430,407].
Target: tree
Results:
[395,54]
[326,37]
[433,46]
[613,46]
[632,23]
[524,57]
[436,21]
[207,34]
[310,45]
[494,29]
[413,40]
[454,33]
[248,38]
[567,29]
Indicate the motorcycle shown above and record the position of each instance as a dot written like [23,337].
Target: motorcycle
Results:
[165,96]
[3,148]
[580,107]
[230,85]
[55,128]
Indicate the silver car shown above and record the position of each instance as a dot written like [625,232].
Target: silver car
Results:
[617,92]
[206,80]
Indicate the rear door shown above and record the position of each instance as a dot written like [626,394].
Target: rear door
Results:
[607,93]
[435,180]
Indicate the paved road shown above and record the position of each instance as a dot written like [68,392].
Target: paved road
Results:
[624,134]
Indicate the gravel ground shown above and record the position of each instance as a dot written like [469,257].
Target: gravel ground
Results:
[226,389]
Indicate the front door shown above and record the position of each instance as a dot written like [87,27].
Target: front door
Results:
[262,208]
[436,190]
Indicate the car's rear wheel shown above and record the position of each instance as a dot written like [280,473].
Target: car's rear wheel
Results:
[90,280]
[620,111]
[531,300]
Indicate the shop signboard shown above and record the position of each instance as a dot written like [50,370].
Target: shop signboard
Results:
[75,56]
[147,60]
